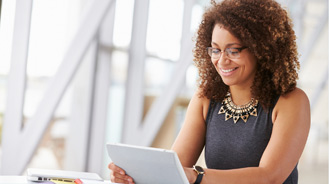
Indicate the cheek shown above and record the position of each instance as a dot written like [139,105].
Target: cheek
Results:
[252,63]
[254,66]
[214,62]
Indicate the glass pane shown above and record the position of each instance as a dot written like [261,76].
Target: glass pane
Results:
[197,12]
[158,72]
[51,32]
[53,24]
[165,28]
[123,23]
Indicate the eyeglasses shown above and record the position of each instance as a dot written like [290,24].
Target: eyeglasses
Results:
[232,53]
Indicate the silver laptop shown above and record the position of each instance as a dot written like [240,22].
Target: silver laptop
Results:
[34,174]
[148,165]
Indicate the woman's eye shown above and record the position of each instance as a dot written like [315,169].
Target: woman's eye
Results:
[233,51]
[215,51]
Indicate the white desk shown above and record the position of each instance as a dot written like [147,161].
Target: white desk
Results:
[19,180]
[13,180]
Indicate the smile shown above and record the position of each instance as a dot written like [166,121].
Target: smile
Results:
[228,70]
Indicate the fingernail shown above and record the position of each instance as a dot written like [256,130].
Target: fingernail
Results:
[130,180]
[121,172]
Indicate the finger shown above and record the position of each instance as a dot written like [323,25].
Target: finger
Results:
[122,177]
[117,172]
[119,175]
[118,178]
[115,168]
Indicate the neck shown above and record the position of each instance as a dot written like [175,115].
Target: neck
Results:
[240,96]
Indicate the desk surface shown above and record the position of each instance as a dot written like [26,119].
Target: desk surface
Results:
[13,180]
[18,180]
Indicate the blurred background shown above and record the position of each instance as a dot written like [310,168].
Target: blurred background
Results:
[75,74]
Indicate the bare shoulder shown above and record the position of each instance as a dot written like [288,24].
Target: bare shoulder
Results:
[293,98]
[294,103]
[201,101]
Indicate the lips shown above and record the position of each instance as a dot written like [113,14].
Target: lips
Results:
[228,70]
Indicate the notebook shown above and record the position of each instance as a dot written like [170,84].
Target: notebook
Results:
[148,165]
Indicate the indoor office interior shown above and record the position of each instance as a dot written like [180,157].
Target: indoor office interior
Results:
[76,74]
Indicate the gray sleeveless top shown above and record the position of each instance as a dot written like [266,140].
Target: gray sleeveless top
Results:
[231,146]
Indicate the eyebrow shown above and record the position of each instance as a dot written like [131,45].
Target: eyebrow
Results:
[227,45]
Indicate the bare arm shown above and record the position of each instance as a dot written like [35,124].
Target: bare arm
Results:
[190,141]
[291,123]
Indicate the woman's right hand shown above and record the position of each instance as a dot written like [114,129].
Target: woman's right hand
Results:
[118,175]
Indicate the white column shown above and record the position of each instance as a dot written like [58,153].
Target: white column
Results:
[160,108]
[101,94]
[144,133]
[298,20]
[81,113]
[135,80]
[315,35]
[319,89]
[16,87]
[37,125]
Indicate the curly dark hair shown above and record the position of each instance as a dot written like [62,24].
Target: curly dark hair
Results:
[266,29]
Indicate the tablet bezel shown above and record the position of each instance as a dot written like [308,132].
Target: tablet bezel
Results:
[145,164]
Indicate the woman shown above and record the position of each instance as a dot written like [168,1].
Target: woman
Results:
[248,113]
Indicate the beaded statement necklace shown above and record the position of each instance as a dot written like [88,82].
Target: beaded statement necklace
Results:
[236,111]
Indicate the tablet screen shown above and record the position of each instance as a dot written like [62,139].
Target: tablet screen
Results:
[148,165]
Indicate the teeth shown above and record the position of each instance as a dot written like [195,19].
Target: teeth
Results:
[229,70]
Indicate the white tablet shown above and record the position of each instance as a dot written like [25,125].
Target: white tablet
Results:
[148,165]
[34,174]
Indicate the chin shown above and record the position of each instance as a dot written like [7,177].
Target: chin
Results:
[228,83]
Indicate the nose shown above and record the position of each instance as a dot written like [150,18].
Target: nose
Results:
[222,59]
